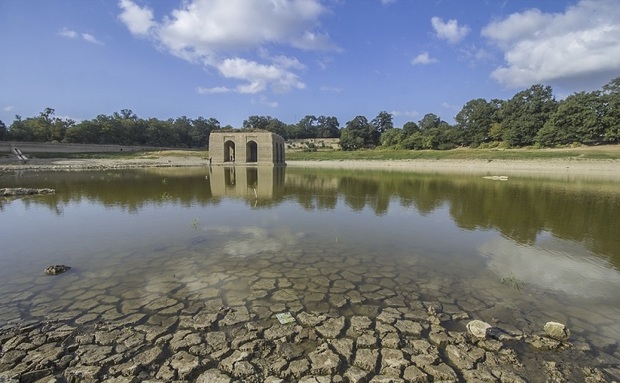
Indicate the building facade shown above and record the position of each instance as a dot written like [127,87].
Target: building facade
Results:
[257,147]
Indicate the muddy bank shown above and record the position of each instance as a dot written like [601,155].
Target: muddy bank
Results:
[602,168]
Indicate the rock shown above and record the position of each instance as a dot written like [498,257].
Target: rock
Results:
[478,328]
[366,359]
[557,331]
[324,361]
[56,269]
[10,192]
[356,375]
[393,362]
[415,375]
[213,376]
[332,327]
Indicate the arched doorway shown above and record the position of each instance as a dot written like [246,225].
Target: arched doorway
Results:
[229,151]
[251,150]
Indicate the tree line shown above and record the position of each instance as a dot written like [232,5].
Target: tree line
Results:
[532,117]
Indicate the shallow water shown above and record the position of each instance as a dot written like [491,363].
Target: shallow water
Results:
[516,253]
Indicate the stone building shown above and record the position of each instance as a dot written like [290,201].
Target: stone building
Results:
[256,147]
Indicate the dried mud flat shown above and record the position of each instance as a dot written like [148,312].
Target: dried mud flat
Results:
[356,319]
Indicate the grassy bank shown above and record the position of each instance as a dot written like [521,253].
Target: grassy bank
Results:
[611,152]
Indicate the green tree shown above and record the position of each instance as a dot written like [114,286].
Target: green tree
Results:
[525,114]
[200,130]
[3,131]
[383,122]
[257,122]
[429,121]
[578,118]
[611,114]
[410,128]
[328,127]
[474,121]
[393,138]
[357,134]
[307,127]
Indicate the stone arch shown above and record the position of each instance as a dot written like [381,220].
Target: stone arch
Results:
[229,151]
[251,151]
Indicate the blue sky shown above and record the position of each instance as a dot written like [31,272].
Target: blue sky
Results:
[229,59]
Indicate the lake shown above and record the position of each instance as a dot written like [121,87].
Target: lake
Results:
[158,241]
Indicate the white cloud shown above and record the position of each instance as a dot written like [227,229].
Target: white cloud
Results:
[71,34]
[423,59]
[214,90]
[264,101]
[450,30]
[138,19]
[91,39]
[259,76]
[8,108]
[66,32]
[399,113]
[221,33]
[581,43]
[331,89]
[450,106]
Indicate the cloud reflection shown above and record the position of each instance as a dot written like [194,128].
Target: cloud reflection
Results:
[557,266]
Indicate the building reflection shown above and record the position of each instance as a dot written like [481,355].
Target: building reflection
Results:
[256,182]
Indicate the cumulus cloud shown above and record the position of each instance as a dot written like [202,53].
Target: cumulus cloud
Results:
[138,19]
[450,30]
[423,59]
[582,42]
[222,34]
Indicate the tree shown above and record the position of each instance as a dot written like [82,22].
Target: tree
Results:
[257,122]
[383,122]
[307,127]
[3,131]
[579,118]
[525,114]
[429,121]
[611,115]
[393,138]
[328,127]
[200,130]
[411,127]
[357,134]
[475,121]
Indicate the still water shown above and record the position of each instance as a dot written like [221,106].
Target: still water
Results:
[515,253]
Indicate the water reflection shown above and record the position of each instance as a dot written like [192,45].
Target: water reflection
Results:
[520,209]
[553,265]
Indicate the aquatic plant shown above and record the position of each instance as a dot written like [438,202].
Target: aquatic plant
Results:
[165,196]
[195,224]
[164,181]
[512,281]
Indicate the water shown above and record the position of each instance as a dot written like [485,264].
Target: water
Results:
[514,253]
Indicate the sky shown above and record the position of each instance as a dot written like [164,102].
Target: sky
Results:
[230,59]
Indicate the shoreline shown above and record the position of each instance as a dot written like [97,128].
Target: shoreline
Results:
[609,169]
